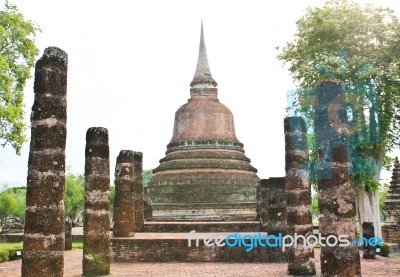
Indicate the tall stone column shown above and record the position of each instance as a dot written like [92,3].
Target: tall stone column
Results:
[44,219]
[276,214]
[124,213]
[68,235]
[336,192]
[138,191]
[298,192]
[96,239]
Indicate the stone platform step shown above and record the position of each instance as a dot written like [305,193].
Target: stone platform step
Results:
[200,226]
[177,247]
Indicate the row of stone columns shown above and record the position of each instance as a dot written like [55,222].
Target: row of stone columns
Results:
[128,203]
[46,233]
[44,238]
[336,192]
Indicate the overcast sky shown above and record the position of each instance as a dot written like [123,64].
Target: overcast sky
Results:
[131,63]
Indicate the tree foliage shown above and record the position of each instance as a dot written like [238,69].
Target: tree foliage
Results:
[112,198]
[74,196]
[17,57]
[370,37]
[314,205]
[147,174]
[8,205]
[12,203]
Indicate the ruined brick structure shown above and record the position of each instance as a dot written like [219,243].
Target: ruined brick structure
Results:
[273,216]
[44,225]
[298,192]
[96,239]
[336,193]
[205,174]
[124,214]
[391,228]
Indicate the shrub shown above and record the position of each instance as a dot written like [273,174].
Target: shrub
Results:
[384,250]
[4,256]
[12,254]
[9,254]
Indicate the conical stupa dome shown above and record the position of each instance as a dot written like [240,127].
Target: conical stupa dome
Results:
[205,173]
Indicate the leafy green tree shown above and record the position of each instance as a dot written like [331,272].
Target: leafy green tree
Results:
[74,196]
[367,34]
[8,205]
[12,202]
[20,196]
[147,174]
[314,205]
[112,198]
[17,57]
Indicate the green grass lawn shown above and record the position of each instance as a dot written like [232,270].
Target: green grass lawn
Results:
[75,245]
[10,245]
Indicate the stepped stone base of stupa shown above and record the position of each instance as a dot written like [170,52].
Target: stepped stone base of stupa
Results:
[200,226]
[204,212]
[391,233]
[197,194]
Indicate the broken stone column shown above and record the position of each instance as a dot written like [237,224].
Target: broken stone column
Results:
[138,191]
[298,194]
[368,233]
[44,219]
[148,210]
[96,239]
[274,189]
[336,192]
[124,213]
[68,235]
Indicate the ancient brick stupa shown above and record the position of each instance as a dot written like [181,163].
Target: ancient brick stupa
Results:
[205,174]
[391,228]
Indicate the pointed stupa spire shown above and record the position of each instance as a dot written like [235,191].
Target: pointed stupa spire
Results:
[202,76]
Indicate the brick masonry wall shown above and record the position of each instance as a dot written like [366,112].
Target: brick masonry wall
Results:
[169,250]
[172,227]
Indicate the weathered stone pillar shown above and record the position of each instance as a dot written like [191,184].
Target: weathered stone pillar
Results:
[96,239]
[336,192]
[138,191]
[275,214]
[124,214]
[298,195]
[148,210]
[368,233]
[68,235]
[44,225]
